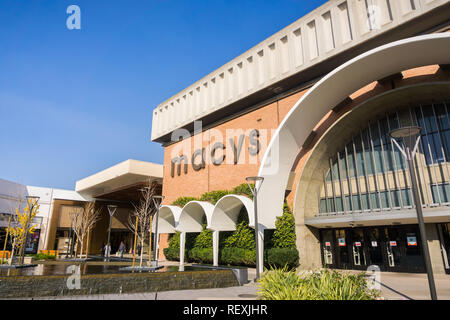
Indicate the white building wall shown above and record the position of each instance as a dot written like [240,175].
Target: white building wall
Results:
[12,194]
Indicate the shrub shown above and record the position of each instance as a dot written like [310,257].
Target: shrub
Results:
[214,196]
[282,257]
[44,256]
[172,254]
[244,190]
[201,255]
[238,257]
[182,201]
[284,234]
[281,284]
[243,237]
[204,239]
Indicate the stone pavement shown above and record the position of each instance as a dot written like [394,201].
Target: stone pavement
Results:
[407,286]
[394,286]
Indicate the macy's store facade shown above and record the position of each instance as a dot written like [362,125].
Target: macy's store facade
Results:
[310,110]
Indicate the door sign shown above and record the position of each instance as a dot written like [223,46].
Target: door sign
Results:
[358,244]
[393,243]
[327,244]
[412,241]
[341,242]
[374,244]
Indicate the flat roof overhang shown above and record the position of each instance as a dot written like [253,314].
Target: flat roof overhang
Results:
[423,24]
[120,182]
[380,218]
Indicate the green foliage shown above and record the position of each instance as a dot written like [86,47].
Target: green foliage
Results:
[238,257]
[200,255]
[174,241]
[44,256]
[281,284]
[243,190]
[284,234]
[282,257]
[243,237]
[204,239]
[238,247]
[182,201]
[214,196]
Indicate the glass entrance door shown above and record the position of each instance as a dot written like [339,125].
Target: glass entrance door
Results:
[374,248]
[403,249]
[359,258]
[445,245]
[327,248]
[343,257]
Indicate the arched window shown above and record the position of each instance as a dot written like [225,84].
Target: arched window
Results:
[369,172]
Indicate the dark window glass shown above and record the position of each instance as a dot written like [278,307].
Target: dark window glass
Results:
[323,206]
[444,192]
[365,201]
[395,196]
[406,197]
[356,203]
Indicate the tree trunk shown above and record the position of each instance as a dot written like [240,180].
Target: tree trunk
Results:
[81,251]
[142,252]
[12,250]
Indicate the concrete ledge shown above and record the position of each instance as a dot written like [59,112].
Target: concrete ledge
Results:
[51,286]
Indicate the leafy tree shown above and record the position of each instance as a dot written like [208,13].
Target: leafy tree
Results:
[22,225]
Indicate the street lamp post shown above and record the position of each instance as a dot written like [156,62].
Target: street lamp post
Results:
[112,210]
[36,199]
[409,150]
[157,200]
[254,191]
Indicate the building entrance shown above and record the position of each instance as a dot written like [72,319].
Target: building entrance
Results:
[445,243]
[392,248]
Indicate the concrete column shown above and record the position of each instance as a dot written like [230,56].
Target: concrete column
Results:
[308,246]
[260,249]
[434,245]
[182,248]
[216,248]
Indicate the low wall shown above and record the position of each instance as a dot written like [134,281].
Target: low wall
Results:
[47,286]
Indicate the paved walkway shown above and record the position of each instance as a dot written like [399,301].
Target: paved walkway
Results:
[406,286]
[394,286]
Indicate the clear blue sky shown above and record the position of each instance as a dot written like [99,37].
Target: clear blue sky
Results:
[74,102]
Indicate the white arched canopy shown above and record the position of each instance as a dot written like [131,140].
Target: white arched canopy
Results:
[298,124]
[167,219]
[192,216]
[226,212]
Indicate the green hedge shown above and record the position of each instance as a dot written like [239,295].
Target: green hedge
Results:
[282,257]
[275,257]
[238,247]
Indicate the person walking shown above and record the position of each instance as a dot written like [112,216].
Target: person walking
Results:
[103,249]
[121,249]
[107,250]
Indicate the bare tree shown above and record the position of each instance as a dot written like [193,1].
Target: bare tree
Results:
[144,212]
[85,221]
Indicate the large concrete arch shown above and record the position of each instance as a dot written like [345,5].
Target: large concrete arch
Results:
[226,212]
[191,220]
[168,219]
[298,124]
[192,214]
